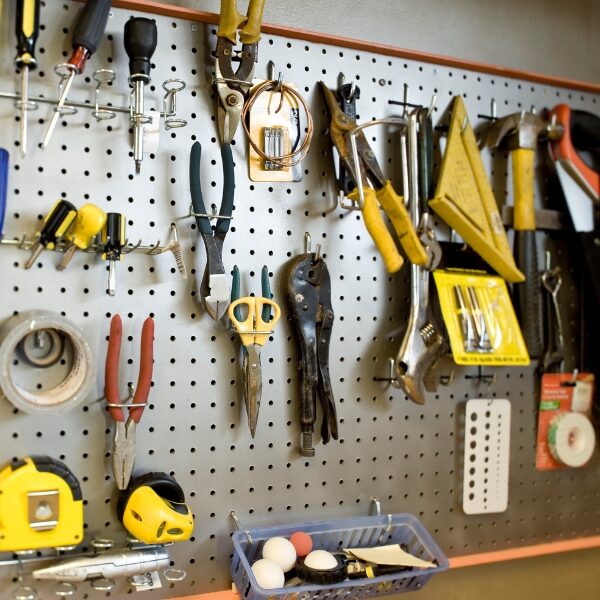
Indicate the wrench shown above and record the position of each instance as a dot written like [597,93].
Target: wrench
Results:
[422,341]
[554,355]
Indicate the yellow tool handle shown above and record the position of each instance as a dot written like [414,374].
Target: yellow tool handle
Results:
[522,166]
[378,231]
[88,224]
[250,32]
[230,20]
[398,215]
[253,322]
[261,338]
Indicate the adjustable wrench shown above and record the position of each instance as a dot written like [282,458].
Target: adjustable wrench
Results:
[422,341]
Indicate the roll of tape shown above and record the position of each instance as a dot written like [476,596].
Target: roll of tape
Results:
[571,439]
[68,393]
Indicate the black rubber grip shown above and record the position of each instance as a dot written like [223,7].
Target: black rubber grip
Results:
[527,294]
[112,235]
[26,39]
[585,130]
[227,198]
[47,464]
[55,219]
[140,39]
[202,223]
[425,149]
[91,24]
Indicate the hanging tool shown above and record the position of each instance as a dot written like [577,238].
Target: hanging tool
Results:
[123,458]
[522,131]
[55,225]
[87,35]
[27,31]
[140,40]
[465,317]
[579,180]
[87,225]
[465,200]
[422,342]
[383,193]
[40,505]
[348,94]
[106,566]
[233,86]
[153,510]
[554,356]
[254,331]
[113,239]
[308,294]
[3,187]
[214,288]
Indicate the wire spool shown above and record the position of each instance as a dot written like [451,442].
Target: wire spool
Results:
[15,334]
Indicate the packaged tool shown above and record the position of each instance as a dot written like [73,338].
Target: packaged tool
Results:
[566,436]
[480,319]
[40,505]
[153,509]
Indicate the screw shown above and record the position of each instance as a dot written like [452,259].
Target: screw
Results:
[231,100]
[382,82]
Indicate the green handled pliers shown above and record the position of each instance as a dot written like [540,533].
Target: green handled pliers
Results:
[214,288]
[233,86]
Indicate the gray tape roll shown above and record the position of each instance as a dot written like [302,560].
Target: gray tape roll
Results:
[68,393]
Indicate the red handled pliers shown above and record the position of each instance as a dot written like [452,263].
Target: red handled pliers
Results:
[123,457]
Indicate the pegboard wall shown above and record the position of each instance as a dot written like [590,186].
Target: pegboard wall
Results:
[195,427]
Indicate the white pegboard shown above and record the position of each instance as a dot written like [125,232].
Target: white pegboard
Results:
[195,427]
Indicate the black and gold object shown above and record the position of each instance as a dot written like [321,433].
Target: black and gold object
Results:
[40,505]
[56,224]
[113,240]
[153,510]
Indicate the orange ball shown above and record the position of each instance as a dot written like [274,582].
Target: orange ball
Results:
[302,542]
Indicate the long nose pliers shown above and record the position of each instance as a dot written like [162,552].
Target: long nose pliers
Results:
[214,288]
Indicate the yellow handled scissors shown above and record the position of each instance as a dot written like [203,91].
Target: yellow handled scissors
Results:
[254,331]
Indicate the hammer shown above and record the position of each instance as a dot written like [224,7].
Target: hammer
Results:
[522,131]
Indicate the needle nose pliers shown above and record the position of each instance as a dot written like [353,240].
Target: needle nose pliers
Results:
[214,288]
[123,457]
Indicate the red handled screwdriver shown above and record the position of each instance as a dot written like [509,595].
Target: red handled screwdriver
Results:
[86,39]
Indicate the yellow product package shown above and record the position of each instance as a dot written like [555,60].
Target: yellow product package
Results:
[480,319]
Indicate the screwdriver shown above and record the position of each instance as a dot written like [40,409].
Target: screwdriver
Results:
[88,224]
[56,223]
[27,31]
[86,39]
[140,38]
[113,238]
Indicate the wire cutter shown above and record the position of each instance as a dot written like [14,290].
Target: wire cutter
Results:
[233,86]
[214,288]
[382,193]
[254,331]
[123,457]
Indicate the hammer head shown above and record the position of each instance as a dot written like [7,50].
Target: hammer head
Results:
[521,130]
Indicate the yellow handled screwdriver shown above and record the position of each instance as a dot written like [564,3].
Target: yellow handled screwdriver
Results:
[88,224]
[113,238]
[27,31]
[56,224]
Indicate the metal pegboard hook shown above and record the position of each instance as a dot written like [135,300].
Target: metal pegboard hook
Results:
[64,70]
[214,215]
[391,376]
[23,592]
[64,589]
[172,87]
[239,526]
[102,77]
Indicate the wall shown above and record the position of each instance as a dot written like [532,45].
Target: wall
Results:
[548,36]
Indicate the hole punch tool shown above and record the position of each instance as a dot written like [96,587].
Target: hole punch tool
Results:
[87,35]
[214,287]
[232,86]
[123,458]
[366,167]
[308,294]
[254,331]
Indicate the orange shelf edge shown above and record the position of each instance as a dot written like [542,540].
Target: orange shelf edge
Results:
[470,560]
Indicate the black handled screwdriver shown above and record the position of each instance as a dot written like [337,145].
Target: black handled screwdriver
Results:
[140,39]
[86,39]
[113,238]
[27,31]
[56,224]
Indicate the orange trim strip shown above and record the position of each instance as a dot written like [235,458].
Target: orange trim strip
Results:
[333,40]
[524,552]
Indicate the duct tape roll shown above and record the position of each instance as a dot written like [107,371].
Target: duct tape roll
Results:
[69,392]
[571,439]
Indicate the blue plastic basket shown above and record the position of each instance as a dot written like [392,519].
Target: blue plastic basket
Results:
[361,532]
